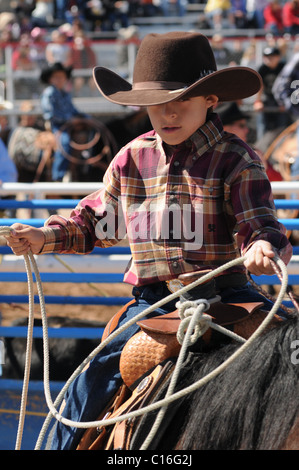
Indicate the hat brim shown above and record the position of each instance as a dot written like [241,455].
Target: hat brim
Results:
[233,83]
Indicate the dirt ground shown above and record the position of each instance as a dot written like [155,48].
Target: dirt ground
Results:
[13,311]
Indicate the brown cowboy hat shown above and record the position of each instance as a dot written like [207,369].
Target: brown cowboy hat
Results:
[172,65]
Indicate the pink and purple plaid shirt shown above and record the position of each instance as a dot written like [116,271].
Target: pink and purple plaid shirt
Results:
[192,207]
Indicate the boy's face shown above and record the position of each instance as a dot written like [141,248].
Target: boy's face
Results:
[58,79]
[176,121]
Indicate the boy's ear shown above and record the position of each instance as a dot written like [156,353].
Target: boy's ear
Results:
[212,100]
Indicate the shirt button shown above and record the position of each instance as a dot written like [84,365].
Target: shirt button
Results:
[176,163]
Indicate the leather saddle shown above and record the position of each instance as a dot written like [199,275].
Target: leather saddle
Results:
[157,339]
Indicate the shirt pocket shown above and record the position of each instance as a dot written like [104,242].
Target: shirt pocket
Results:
[212,198]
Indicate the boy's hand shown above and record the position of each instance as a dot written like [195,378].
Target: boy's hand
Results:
[258,258]
[24,238]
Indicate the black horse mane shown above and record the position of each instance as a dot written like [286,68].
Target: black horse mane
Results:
[251,405]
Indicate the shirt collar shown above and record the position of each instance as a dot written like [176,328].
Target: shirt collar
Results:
[207,135]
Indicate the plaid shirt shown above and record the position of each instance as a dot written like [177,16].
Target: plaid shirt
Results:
[216,185]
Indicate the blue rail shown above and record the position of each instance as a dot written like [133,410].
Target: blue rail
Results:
[60,299]
[114,278]
[71,204]
[63,332]
[115,250]
[65,277]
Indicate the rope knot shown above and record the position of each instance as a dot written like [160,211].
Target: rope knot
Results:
[192,316]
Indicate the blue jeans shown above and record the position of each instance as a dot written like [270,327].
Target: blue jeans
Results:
[60,163]
[94,388]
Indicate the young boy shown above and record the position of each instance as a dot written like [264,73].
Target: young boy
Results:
[214,180]
[58,108]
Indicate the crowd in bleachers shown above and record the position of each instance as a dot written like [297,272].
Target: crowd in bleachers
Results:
[42,33]
[277,16]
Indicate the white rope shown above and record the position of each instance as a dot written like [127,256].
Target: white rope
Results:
[172,396]
[27,359]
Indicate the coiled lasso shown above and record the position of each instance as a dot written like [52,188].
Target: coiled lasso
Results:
[195,317]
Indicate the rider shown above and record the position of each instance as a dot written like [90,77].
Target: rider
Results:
[58,108]
[188,196]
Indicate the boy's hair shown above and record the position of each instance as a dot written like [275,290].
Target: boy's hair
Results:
[48,71]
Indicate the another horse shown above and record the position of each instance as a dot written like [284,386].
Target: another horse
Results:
[65,353]
[92,147]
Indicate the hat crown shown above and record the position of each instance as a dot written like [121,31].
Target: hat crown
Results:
[174,57]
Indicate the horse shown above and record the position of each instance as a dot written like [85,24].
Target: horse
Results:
[251,405]
[92,147]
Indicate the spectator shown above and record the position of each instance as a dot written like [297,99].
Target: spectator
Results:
[43,14]
[170,7]
[275,117]
[248,58]
[235,122]
[255,13]
[21,58]
[58,50]
[60,9]
[58,108]
[23,8]
[115,14]
[29,118]
[37,47]
[125,36]
[233,119]
[239,11]
[222,54]
[145,8]
[290,17]
[22,62]
[94,13]
[273,18]
[75,12]
[217,10]
[82,57]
